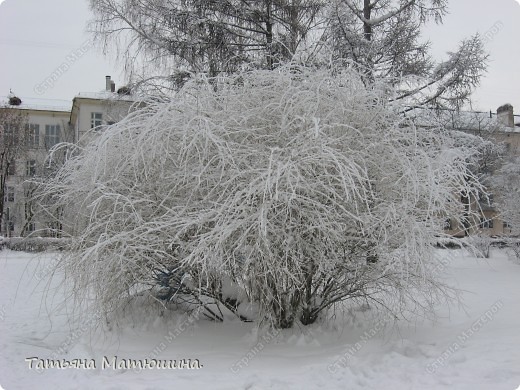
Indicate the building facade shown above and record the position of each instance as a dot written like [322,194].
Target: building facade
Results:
[40,129]
[44,127]
[93,111]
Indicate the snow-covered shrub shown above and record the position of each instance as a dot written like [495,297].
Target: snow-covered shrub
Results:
[33,244]
[512,245]
[280,192]
[480,245]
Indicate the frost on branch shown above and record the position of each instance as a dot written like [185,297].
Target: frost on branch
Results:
[287,192]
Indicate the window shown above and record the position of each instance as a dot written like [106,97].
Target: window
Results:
[52,135]
[31,227]
[10,226]
[447,224]
[33,136]
[30,168]
[506,225]
[7,213]
[11,170]
[9,194]
[10,131]
[96,119]
[486,223]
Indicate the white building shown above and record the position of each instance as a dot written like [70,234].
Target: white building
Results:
[94,110]
[46,126]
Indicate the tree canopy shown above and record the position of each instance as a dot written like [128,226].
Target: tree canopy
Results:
[170,40]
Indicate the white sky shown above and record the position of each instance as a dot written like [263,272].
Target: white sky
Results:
[39,36]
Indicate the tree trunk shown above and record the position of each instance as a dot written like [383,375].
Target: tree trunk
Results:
[367,14]
[269,34]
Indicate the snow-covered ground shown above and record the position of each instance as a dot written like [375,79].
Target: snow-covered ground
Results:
[476,346]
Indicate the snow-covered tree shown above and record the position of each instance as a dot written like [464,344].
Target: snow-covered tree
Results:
[211,37]
[175,39]
[13,136]
[383,38]
[278,195]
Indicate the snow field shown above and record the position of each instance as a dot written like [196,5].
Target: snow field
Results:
[474,345]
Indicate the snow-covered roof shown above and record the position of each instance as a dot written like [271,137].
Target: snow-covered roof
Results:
[40,104]
[105,95]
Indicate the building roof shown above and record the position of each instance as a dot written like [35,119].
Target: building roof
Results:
[462,120]
[105,95]
[38,104]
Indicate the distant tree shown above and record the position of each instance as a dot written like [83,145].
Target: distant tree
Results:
[41,206]
[36,172]
[13,133]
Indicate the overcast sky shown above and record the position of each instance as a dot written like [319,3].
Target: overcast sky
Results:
[37,37]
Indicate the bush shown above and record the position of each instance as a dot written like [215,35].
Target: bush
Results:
[34,244]
[480,246]
[287,191]
[513,246]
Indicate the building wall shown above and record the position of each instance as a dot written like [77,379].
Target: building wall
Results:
[110,108]
[490,222]
[76,126]
[500,128]
[21,215]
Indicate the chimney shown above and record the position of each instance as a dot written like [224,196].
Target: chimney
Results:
[108,83]
[505,115]
[112,86]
